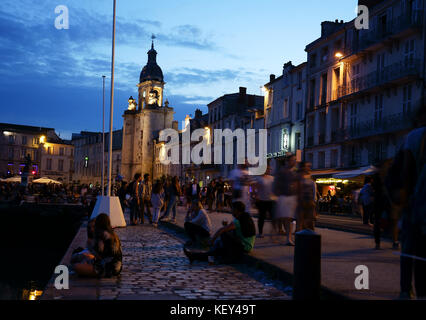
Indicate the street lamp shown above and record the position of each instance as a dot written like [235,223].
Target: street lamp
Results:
[338,55]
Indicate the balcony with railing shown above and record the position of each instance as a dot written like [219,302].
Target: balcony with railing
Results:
[391,123]
[389,74]
[391,28]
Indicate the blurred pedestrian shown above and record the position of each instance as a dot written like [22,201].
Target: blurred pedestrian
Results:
[286,187]
[366,200]
[406,184]
[157,202]
[264,198]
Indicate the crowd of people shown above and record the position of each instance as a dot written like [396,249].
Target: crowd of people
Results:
[286,194]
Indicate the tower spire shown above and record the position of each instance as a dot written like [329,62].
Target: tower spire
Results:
[152,45]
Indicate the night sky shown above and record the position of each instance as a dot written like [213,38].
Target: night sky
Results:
[53,78]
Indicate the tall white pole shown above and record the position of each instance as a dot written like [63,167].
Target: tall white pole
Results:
[112,104]
[103,138]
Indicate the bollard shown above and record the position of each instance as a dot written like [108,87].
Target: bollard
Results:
[307,266]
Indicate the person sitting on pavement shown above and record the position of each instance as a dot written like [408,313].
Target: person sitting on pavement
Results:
[234,239]
[80,254]
[106,257]
[197,223]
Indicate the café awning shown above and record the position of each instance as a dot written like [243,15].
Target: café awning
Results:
[328,173]
[12,179]
[363,171]
[46,181]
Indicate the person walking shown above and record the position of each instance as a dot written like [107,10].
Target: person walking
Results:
[174,194]
[135,200]
[379,207]
[285,187]
[366,200]
[220,194]
[157,202]
[210,194]
[307,193]
[194,190]
[264,198]
[145,202]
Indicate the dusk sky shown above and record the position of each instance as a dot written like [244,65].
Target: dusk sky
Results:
[53,78]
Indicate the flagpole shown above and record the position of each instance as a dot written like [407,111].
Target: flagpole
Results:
[103,138]
[111,104]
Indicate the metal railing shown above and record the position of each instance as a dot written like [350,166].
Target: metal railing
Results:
[392,27]
[391,123]
[390,73]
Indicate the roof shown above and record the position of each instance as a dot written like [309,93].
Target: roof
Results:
[235,103]
[23,128]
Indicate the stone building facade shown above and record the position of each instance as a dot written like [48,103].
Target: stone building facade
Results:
[88,156]
[285,99]
[364,86]
[50,155]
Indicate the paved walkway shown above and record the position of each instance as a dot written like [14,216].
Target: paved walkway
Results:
[341,253]
[154,267]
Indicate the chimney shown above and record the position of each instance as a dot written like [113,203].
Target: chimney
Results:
[198,114]
[243,93]
[271,77]
[175,125]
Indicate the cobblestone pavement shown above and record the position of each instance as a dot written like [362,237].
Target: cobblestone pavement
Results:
[154,265]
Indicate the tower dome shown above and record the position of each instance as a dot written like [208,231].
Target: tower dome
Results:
[152,70]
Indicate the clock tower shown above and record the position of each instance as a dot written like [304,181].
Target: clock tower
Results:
[144,120]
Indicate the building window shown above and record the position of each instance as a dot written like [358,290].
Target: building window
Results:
[324,54]
[48,164]
[380,67]
[23,153]
[298,140]
[354,155]
[378,109]
[409,53]
[11,154]
[299,80]
[61,165]
[406,100]
[334,154]
[310,158]
[24,140]
[49,150]
[313,60]
[72,152]
[299,111]
[285,110]
[353,115]
[11,139]
[61,151]
[312,89]
[324,88]
[321,160]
